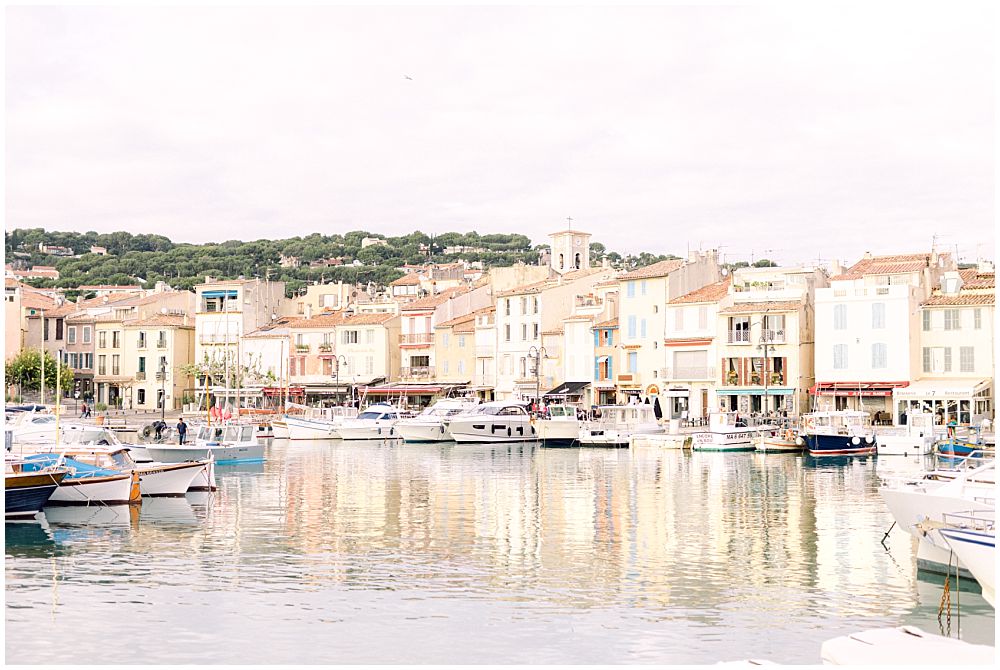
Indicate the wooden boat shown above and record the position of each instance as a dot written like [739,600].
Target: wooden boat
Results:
[779,441]
[86,484]
[25,493]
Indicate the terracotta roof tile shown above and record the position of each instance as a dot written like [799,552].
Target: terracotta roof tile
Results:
[436,299]
[410,279]
[162,320]
[458,320]
[318,321]
[961,299]
[368,319]
[35,300]
[776,306]
[661,269]
[888,265]
[709,293]
[610,323]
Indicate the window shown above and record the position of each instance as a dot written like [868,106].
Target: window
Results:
[116,341]
[631,326]
[461,341]
[461,367]
[369,336]
[926,319]
[506,333]
[88,361]
[840,317]
[524,305]
[840,357]
[300,339]
[116,366]
[947,359]
[951,319]
[633,361]
[161,340]
[86,334]
[642,287]
[642,328]
[71,335]
[102,339]
[880,356]
[141,397]
[445,366]
[102,365]
[507,307]
[630,289]
[878,315]
[927,357]
[534,331]
[142,363]
[444,341]
[349,337]
[967,359]
[535,304]
[524,331]
[977,318]
[45,328]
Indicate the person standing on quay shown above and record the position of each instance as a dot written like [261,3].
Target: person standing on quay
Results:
[182,430]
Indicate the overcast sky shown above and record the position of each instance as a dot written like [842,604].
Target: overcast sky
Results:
[783,132]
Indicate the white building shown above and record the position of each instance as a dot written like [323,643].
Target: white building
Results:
[868,329]
[955,377]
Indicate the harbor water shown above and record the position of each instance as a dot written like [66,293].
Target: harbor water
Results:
[333,552]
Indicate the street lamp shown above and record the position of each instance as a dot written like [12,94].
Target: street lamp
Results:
[163,388]
[537,353]
[340,358]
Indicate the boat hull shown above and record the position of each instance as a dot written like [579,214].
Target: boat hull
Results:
[222,454]
[776,445]
[730,440]
[25,495]
[977,550]
[383,431]
[493,429]
[168,479]
[280,429]
[839,445]
[310,429]
[558,433]
[428,431]
[110,490]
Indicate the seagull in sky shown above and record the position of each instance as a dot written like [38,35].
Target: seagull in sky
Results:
[406,76]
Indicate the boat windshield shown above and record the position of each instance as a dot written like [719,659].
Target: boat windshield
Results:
[369,414]
[562,411]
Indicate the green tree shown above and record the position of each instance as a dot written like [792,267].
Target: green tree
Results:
[25,370]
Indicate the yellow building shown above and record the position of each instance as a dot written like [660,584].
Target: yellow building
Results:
[455,349]
[155,349]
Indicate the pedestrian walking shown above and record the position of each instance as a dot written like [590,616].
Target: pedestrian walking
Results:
[182,430]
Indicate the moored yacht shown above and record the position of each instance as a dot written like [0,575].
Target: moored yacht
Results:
[228,443]
[498,421]
[377,422]
[432,425]
[616,423]
[560,427]
[318,423]
[725,434]
[838,433]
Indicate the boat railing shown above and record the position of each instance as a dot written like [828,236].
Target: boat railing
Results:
[973,519]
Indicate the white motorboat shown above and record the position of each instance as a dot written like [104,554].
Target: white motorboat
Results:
[975,546]
[280,428]
[914,438]
[724,434]
[432,424]
[318,423]
[498,421]
[560,427]
[228,443]
[906,645]
[377,422]
[915,501]
[615,424]
[35,428]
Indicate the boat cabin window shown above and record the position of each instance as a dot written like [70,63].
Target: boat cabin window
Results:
[368,414]
[513,410]
[562,411]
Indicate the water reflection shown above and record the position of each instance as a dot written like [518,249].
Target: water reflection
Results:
[452,553]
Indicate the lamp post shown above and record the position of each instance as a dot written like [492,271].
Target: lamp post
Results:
[538,353]
[338,360]
[163,388]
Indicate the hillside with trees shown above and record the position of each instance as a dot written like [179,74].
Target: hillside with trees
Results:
[145,259]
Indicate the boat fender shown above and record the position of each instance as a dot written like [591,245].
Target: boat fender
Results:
[532,430]
[379,432]
[868,439]
[147,431]
[390,431]
[442,429]
[799,441]
[508,431]
[855,441]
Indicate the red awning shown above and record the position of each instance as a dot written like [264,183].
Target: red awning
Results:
[866,389]
[413,390]
[290,390]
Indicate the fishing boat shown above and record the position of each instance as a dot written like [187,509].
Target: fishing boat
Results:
[725,434]
[377,422]
[615,424]
[916,438]
[976,447]
[25,493]
[497,421]
[432,424]
[919,504]
[228,443]
[975,546]
[779,441]
[86,484]
[838,433]
[560,427]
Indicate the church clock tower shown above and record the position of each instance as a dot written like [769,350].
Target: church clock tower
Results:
[570,250]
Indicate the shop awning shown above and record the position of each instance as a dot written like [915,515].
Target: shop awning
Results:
[568,389]
[756,391]
[943,388]
[867,389]
[288,390]
[231,293]
[410,389]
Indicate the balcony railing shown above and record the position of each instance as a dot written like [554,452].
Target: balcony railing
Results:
[302,348]
[142,343]
[102,370]
[418,372]
[160,376]
[161,344]
[116,371]
[140,376]
[326,347]
[776,336]
[739,337]
[416,338]
[753,379]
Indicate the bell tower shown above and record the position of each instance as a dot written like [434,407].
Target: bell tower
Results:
[570,250]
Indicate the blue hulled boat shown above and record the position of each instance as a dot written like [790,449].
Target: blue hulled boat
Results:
[26,492]
[839,433]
